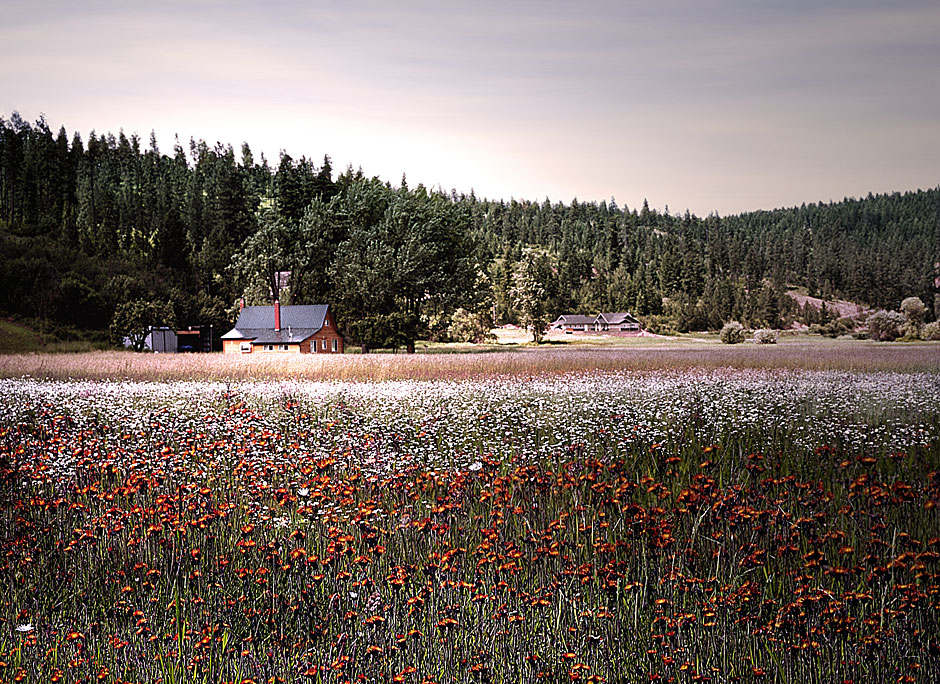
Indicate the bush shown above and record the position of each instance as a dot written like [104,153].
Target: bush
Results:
[931,331]
[834,328]
[914,310]
[765,336]
[732,333]
[659,324]
[470,327]
[885,326]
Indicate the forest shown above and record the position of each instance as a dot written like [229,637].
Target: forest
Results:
[97,229]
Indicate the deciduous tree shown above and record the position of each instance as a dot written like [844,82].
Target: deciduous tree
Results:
[530,292]
[133,320]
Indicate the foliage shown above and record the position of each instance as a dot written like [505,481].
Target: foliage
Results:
[133,319]
[76,212]
[732,333]
[406,254]
[765,336]
[836,327]
[885,326]
[931,331]
[914,311]
[658,324]
[529,292]
[262,258]
[389,331]
[466,326]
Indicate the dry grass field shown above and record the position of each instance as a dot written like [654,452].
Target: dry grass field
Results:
[638,355]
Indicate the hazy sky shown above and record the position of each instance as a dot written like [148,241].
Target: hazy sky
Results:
[726,105]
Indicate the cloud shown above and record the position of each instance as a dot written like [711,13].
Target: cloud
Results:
[678,100]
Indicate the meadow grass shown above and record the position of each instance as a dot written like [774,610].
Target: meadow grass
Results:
[619,527]
[523,361]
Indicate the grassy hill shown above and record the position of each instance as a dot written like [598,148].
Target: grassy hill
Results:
[17,339]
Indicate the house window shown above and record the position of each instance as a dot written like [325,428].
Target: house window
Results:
[283,347]
[326,322]
[323,345]
[335,345]
[245,347]
[269,347]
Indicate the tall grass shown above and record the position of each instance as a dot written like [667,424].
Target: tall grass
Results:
[848,356]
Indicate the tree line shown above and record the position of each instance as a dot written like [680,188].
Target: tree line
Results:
[89,225]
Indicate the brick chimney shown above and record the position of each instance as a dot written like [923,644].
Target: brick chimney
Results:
[277,315]
[241,303]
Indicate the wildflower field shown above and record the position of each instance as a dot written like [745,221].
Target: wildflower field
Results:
[618,526]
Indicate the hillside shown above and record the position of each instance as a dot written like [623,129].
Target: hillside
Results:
[15,338]
[86,224]
[839,308]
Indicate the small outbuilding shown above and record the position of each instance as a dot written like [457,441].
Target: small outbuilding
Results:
[297,329]
[164,340]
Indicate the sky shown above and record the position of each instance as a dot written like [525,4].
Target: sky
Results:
[708,105]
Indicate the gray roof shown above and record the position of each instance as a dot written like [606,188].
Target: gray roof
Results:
[575,319]
[298,322]
[617,318]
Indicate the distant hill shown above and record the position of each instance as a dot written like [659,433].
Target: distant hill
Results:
[87,223]
[839,307]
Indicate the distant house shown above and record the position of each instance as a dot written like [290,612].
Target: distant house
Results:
[615,322]
[299,329]
[572,322]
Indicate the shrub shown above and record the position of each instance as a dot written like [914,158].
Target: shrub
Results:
[732,333]
[834,328]
[914,310]
[659,324]
[885,326]
[931,331]
[765,336]
[437,327]
[470,327]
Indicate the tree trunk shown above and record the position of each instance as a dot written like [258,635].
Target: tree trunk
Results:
[410,347]
[365,349]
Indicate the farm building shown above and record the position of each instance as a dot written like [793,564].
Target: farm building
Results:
[163,340]
[605,322]
[619,322]
[298,329]
[572,322]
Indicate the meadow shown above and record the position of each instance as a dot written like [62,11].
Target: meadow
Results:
[566,354]
[685,523]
